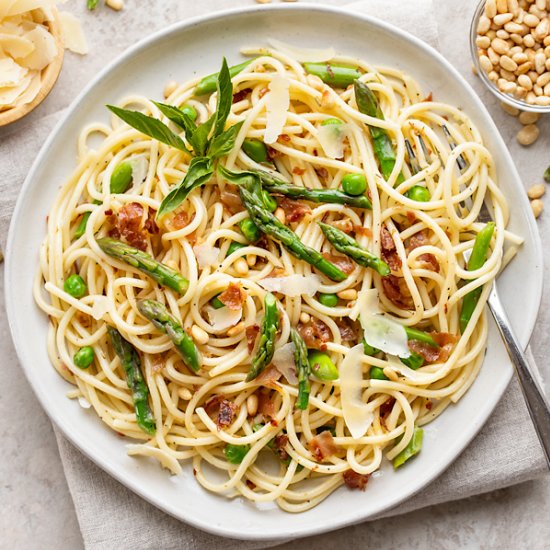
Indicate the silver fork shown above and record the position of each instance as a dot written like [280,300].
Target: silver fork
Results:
[537,405]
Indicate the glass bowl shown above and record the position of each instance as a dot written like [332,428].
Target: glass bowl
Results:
[504,97]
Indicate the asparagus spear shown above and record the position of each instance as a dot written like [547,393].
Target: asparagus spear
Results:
[332,74]
[413,448]
[161,273]
[167,323]
[302,368]
[314,195]
[131,364]
[266,348]
[250,192]
[208,84]
[350,247]
[477,259]
[383,147]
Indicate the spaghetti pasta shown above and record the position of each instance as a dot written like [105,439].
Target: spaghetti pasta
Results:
[250,438]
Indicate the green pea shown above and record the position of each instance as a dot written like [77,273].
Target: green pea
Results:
[377,373]
[331,121]
[121,178]
[234,246]
[369,350]
[84,357]
[329,300]
[75,286]
[249,230]
[354,184]
[322,366]
[414,361]
[216,303]
[190,111]
[256,150]
[235,453]
[269,202]
[418,193]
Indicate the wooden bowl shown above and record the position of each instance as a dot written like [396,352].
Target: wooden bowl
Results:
[49,78]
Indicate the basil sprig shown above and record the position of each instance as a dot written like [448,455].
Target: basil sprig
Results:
[208,140]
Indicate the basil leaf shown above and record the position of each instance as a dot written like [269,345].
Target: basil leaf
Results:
[238,178]
[149,126]
[179,118]
[224,99]
[200,139]
[199,172]
[221,145]
[92,4]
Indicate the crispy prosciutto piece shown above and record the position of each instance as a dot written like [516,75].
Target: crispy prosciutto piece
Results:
[222,409]
[322,446]
[230,198]
[353,480]
[389,252]
[266,403]
[233,296]
[349,331]
[315,333]
[431,354]
[294,210]
[128,224]
[428,260]
[251,332]
[279,444]
[397,291]
[343,263]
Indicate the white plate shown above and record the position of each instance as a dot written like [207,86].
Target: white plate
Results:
[179,53]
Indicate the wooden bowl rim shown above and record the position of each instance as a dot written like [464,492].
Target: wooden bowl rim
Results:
[49,77]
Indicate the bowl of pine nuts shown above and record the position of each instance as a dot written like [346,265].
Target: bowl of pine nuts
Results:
[510,45]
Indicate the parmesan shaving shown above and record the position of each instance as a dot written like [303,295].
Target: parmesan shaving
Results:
[11,74]
[45,49]
[357,414]
[293,285]
[73,35]
[304,55]
[277,104]
[283,359]
[223,318]
[206,255]
[15,46]
[100,307]
[140,166]
[332,137]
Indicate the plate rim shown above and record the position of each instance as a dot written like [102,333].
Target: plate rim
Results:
[222,530]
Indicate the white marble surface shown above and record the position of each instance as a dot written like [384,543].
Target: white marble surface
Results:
[37,511]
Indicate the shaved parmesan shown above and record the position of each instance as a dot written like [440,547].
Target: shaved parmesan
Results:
[100,307]
[304,55]
[283,359]
[15,46]
[16,7]
[293,285]
[277,104]
[45,49]
[11,74]
[9,95]
[223,318]
[140,166]
[73,35]
[206,254]
[381,331]
[32,89]
[357,415]
[332,137]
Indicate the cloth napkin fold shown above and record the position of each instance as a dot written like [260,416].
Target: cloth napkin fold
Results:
[505,452]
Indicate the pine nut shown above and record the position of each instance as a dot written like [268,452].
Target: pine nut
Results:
[493,76]
[280,215]
[170,88]
[542,100]
[546,41]
[528,41]
[520,58]
[490,8]
[513,111]
[528,135]
[252,404]
[525,82]
[116,5]
[536,191]
[520,92]
[251,260]
[516,38]
[503,35]
[508,64]
[513,28]
[500,46]
[540,60]
[502,6]
[304,317]
[240,266]
[524,68]
[536,207]
[537,89]
[237,329]
[531,20]
[483,42]
[199,335]
[485,63]
[541,4]
[502,18]
[185,394]
[484,25]
[493,56]
[528,118]
[541,32]
[348,294]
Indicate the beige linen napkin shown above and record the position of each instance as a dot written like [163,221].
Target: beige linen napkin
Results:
[505,452]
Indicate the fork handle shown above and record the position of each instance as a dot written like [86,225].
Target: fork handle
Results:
[537,405]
